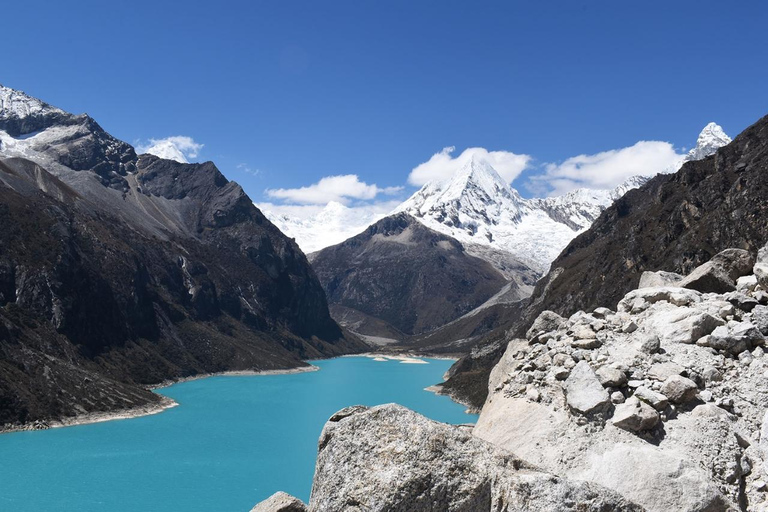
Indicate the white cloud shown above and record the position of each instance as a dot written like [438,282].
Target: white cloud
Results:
[609,168]
[342,189]
[443,165]
[247,169]
[309,211]
[178,147]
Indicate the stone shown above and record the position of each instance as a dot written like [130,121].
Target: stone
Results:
[746,284]
[759,319]
[280,502]
[711,374]
[629,327]
[635,415]
[388,458]
[602,313]
[648,343]
[583,332]
[741,301]
[656,400]
[662,371]
[658,279]
[617,397]
[679,389]
[720,273]
[735,337]
[583,390]
[547,321]
[640,299]
[586,343]
[611,377]
[761,267]
[683,325]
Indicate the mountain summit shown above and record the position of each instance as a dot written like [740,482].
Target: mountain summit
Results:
[711,138]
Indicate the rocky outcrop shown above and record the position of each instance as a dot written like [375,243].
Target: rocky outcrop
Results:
[682,428]
[388,459]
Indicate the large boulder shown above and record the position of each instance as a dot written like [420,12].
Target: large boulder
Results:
[637,301]
[659,279]
[583,390]
[683,324]
[388,458]
[280,502]
[719,274]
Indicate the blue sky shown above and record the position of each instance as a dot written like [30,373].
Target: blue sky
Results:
[282,93]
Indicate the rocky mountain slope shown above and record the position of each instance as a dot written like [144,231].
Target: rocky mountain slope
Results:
[674,222]
[662,400]
[408,276]
[119,271]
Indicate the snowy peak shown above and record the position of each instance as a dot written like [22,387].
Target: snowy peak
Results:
[49,136]
[476,191]
[711,138]
[16,104]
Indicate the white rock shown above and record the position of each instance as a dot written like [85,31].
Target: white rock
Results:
[659,279]
[280,502]
[583,390]
[635,415]
[388,458]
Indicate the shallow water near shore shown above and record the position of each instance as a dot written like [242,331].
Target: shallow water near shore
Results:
[231,442]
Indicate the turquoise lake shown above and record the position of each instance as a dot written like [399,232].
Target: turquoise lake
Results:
[230,443]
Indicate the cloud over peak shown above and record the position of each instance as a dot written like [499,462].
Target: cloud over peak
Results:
[608,169]
[177,147]
[443,165]
[342,188]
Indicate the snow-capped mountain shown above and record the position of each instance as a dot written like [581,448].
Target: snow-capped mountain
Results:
[711,138]
[330,226]
[579,208]
[40,132]
[477,207]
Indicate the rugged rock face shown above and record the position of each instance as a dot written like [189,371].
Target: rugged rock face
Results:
[662,400]
[389,458]
[407,275]
[105,289]
[675,222]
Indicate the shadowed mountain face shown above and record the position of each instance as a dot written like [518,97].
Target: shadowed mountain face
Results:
[121,275]
[405,274]
[674,222]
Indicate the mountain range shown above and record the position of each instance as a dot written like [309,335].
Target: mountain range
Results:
[119,271]
[376,281]
[480,209]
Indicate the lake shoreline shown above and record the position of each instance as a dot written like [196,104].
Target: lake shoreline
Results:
[164,404]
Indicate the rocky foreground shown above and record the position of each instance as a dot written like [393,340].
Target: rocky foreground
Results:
[659,405]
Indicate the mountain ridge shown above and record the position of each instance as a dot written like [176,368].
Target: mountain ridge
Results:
[120,271]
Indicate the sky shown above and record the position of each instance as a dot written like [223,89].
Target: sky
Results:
[361,102]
